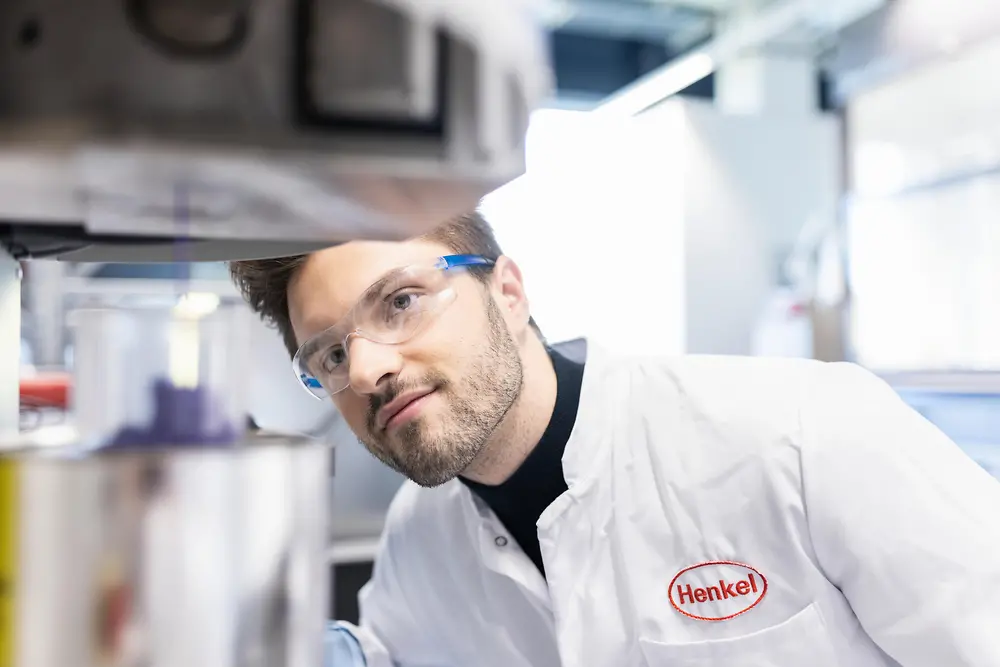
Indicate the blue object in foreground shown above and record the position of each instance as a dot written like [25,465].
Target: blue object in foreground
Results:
[341,649]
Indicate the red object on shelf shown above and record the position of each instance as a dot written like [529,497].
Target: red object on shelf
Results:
[49,389]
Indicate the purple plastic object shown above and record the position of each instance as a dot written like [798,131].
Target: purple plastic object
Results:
[181,418]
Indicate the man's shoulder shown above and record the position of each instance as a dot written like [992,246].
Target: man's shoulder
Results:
[755,414]
[760,379]
[740,389]
[717,375]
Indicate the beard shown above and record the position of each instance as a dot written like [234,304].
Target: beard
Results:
[477,404]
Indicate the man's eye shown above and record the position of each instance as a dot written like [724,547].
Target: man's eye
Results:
[403,301]
[334,358]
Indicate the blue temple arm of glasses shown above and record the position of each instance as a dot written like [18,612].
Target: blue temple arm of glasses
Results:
[452,261]
[310,382]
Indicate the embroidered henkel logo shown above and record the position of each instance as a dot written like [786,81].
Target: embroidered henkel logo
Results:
[717,590]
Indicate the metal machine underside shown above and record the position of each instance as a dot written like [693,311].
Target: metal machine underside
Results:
[271,127]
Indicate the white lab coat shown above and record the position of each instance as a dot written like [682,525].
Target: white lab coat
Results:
[862,536]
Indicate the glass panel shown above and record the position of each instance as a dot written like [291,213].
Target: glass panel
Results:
[925,274]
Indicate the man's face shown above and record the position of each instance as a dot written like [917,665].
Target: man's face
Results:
[426,407]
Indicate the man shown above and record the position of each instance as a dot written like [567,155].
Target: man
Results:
[627,512]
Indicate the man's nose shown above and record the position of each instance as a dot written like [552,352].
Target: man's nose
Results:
[369,362]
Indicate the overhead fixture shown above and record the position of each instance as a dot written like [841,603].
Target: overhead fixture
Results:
[769,24]
[659,85]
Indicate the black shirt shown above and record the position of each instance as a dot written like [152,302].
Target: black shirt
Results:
[519,501]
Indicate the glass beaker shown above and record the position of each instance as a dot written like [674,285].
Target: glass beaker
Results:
[162,374]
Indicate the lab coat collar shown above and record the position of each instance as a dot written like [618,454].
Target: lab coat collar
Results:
[497,550]
[580,464]
[578,461]
[585,451]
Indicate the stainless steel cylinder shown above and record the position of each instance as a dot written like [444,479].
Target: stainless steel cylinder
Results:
[164,557]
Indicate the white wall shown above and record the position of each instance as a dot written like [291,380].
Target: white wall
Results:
[932,122]
[362,487]
[275,398]
[663,232]
[596,227]
[751,184]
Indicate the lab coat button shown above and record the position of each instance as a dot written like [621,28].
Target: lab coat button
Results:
[500,541]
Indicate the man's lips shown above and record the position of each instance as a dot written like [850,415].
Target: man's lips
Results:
[397,405]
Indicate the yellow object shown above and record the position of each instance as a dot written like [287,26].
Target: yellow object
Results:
[9,502]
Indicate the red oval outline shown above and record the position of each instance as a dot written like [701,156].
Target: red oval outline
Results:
[670,589]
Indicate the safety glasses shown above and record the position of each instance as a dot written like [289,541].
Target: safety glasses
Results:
[390,312]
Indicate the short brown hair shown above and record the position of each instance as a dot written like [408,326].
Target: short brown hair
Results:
[264,282]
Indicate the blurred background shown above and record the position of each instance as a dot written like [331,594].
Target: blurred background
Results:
[781,178]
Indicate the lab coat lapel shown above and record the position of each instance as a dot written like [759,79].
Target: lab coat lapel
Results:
[574,533]
[498,552]
[580,465]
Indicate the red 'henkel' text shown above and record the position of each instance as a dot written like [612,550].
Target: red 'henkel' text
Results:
[724,591]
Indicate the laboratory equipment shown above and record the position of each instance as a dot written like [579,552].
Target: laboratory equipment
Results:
[228,123]
[156,529]
[153,528]
[161,374]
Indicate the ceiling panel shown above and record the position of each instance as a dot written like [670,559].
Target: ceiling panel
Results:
[677,25]
[600,46]
[905,35]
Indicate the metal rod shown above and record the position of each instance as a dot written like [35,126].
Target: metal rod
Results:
[10,344]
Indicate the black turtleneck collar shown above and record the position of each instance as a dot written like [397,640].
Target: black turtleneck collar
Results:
[519,501]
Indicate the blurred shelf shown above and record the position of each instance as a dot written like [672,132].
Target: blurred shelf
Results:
[130,287]
[358,550]
[356,525]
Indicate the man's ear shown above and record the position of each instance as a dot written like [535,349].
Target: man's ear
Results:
[508,290]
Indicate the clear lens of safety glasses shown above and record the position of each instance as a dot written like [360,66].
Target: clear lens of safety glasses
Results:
[390,312]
